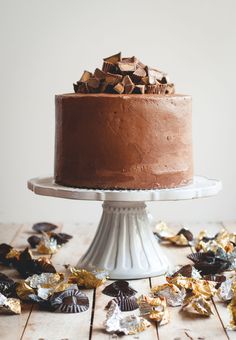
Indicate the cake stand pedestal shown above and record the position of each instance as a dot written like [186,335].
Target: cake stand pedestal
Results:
[124,243]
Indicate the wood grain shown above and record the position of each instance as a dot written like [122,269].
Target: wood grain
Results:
[48,325]
[143,287]
[12,326]
[222,306]
[182,325]
[34,324]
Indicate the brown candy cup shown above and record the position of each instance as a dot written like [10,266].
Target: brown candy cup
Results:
[34,241]
[4,250]
[185,271]
[43,227]
[61,238]
[206,268]
[44,266]
[200,257]
[69,301]
[119,287]
[126,303]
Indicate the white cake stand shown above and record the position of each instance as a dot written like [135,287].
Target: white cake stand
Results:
[124,243]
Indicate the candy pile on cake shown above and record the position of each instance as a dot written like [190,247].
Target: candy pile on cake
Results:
[124,75]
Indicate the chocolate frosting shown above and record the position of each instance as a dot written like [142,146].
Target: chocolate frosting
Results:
[123,141]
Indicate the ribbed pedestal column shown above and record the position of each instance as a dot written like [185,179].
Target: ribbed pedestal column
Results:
[124,243]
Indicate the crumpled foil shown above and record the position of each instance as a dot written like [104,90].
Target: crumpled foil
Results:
[222,240]
[162,230]
[166,234]
[43,285]
[9,305]
[154,308]
[47,245]
[23,290]
[198,287]
[3,299]
[174,295]
[117,323]
[179,240]
[88,279]
[232,309]
[225,291]
[197,304]
[44,280]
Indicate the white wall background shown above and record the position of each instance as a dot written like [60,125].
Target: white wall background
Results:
[45,45]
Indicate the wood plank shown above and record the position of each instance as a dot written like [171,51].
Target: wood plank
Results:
[16,323]
[221,306]
[8,232]
[212,228]
[182,325]
[11,326]
[61,325]
[143,287]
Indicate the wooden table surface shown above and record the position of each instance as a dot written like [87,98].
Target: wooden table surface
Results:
[34,324]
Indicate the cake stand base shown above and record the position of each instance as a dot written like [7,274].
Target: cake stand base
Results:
[124,243]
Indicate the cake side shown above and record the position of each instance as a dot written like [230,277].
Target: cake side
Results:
[111,141]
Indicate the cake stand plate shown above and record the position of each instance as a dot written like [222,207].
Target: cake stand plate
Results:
[124,243]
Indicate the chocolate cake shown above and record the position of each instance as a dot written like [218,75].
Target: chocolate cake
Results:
[124,128]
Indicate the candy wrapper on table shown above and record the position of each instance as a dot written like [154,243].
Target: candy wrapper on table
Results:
[117,323]
[9,305]
[200,287]
[119,287]
[88,279]
[41,286]
[166,234]
[69,301]
[154,308]
[174,295]
[198,304]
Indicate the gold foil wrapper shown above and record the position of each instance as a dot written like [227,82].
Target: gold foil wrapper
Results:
[48,283]
[47,245]
[173,294]
[163,230]
[117,323]
[23,290]
[88,279]
[43,285]
[45,280]
[197,286]
[9,305]
[197,304]
[179,240]
[13,253]
[222,240]
[165,233]
[154,308]
[232,309]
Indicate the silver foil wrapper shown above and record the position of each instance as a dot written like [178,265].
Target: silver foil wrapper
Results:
[117,323]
